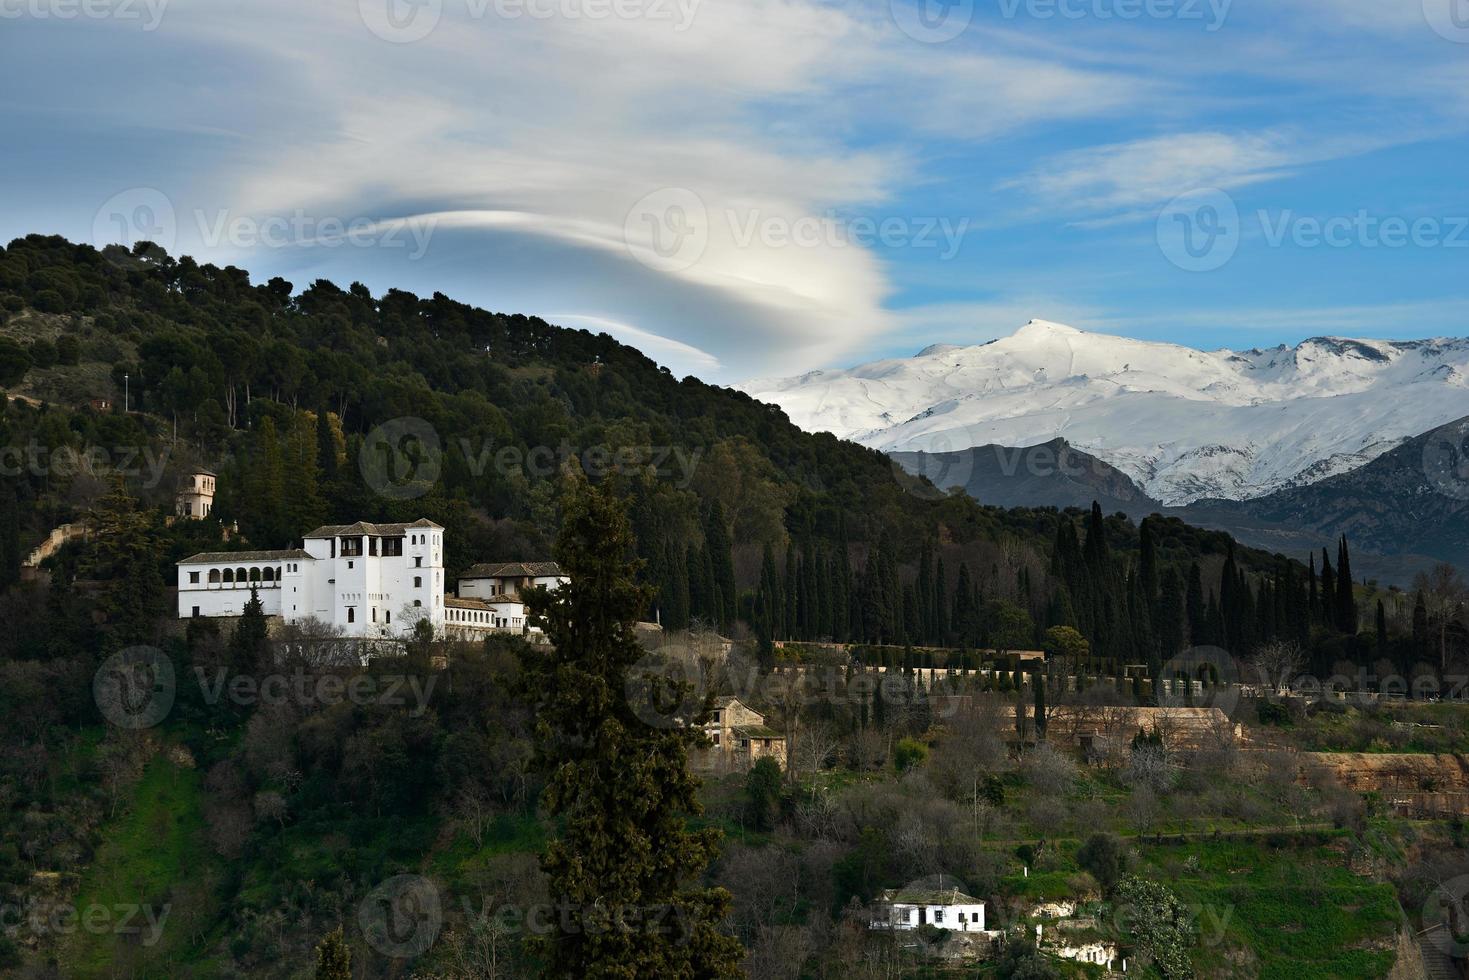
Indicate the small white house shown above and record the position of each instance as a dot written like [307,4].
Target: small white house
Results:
[942,907]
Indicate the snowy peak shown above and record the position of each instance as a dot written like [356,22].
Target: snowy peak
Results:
[1183,423]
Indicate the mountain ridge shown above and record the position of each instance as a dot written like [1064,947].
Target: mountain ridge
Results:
[1184,424]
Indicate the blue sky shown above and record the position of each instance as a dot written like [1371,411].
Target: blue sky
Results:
[760,187]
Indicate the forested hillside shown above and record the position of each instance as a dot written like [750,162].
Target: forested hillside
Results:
[259,826]
[742,517]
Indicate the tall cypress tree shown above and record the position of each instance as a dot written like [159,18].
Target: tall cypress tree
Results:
[1421,639]
[940,605]
[1197,611]
[326,444]
[1327,608]
[1346,594]
[1148,561]
[721,560]
[1381,631]
[619,789]
[10,556]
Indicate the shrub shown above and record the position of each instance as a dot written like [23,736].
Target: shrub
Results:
[909,752]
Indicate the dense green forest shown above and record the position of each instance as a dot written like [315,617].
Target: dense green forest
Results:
[266,825]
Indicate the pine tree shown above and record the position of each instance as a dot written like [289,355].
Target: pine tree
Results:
[333,957]
[248,646]
[618,789]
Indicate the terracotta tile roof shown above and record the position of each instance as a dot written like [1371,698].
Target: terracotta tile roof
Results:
[230,557]
[375,530]
[513,569]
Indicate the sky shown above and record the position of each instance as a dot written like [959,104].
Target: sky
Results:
[745,188]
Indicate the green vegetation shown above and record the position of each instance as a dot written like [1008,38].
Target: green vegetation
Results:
[525,777]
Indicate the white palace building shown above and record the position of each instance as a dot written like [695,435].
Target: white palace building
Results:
[364,580]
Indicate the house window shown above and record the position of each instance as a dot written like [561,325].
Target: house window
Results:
[418,581]
[349,564]
[193,578]
[351,615]
[938,915]
[196,610]
[418,562]
[417,603]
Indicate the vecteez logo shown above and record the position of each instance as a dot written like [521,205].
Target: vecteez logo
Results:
[667,230]
[1199,231]
[401,459]
[135,687]
[402,917]
[401,21]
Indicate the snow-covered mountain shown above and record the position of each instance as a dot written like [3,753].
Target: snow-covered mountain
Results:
[1184,424]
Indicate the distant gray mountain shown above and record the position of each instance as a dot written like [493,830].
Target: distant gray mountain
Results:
[1051,474]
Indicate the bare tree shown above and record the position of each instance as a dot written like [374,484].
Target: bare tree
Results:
[1049,770]
[1445,595]
[1277,663]
[815,746]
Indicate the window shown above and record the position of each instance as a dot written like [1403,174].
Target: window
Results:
[350,564]
[417,603]
[418,562]
[418,581]
[351,615]
[938,915]
[214,576]
[389,614]
[196,610]
[193,578]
